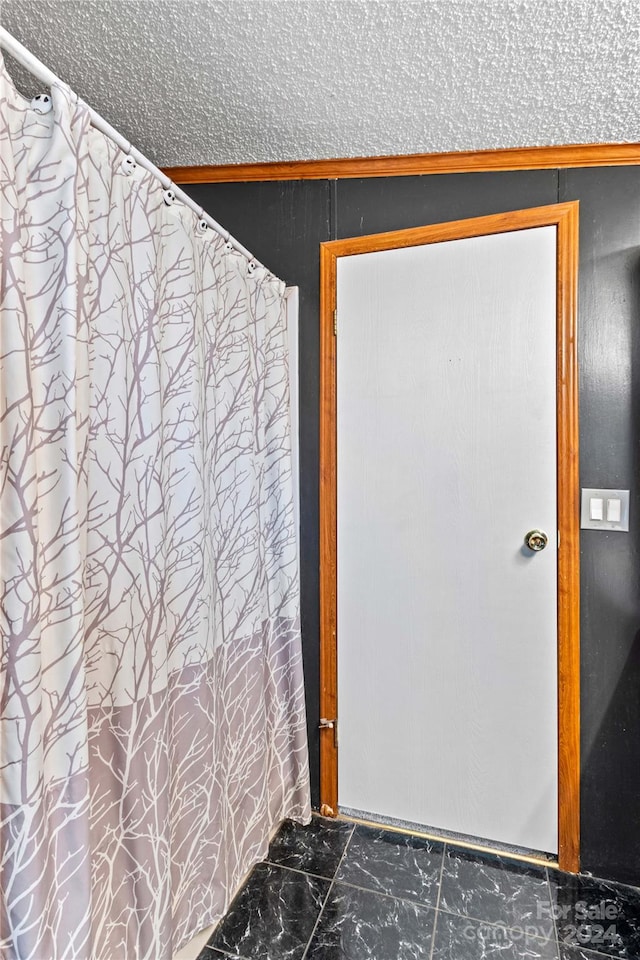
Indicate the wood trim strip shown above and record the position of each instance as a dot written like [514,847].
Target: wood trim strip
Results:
[418,164]
[328,533]
[565,217]
[569,546]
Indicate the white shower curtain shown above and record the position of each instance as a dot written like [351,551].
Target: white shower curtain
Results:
[153,724]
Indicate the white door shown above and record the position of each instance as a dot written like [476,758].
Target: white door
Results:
[446,452]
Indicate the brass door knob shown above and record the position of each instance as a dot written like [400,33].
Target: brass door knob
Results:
[536,540]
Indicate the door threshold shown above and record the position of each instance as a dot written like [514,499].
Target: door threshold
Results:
[444,836]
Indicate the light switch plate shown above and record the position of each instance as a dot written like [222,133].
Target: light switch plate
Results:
[585,519]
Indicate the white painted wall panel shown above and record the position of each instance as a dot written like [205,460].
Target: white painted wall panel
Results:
[447,632]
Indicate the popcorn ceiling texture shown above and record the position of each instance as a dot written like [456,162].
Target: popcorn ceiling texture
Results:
[235,81]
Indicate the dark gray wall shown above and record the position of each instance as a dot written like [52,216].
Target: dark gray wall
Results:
[609,351]
[284,223]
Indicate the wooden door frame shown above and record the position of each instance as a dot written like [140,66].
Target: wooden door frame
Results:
[564,216]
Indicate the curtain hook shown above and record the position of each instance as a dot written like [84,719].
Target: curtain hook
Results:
[202,226]
[128,164]
[42,103]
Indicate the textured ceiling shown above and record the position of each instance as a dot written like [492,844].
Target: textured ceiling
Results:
[233,81]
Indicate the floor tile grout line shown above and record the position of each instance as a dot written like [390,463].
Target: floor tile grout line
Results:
[387,896]
[553,912]
[306,873]
[324,903]
[223,953]
[344,852]
[315,926]
[437,907]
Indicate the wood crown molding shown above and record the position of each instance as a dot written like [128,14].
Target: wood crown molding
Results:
[418,164]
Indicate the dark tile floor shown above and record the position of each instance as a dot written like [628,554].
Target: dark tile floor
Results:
[334,891]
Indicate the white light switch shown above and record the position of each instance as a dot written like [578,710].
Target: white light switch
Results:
[613,510]
[595,508]
[604,509]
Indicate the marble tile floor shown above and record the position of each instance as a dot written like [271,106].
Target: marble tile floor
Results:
[337,891]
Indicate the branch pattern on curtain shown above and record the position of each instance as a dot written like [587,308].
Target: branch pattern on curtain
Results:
[153,724]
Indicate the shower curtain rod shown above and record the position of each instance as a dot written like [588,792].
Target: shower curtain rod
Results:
[44,75]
